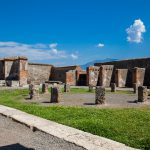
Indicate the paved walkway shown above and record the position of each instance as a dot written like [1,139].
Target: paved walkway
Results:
[79,138]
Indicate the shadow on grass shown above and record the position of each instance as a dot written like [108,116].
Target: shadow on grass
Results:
[89,104]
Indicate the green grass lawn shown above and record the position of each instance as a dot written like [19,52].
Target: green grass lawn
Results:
[130,126]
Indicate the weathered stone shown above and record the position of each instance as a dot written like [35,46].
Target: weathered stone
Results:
[135,87]
[45,88]
[56,95]
[90,88]
[66,88]
[142,94]
[2,83]
[33,91]
[12,83]
[113,87]
[100,95]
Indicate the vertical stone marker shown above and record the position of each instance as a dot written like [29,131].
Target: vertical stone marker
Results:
[90,88]
[113,87]
[66,87]
[135,87]
[33,91]
[55,94]
[142,94]
[100,95]
[45,88]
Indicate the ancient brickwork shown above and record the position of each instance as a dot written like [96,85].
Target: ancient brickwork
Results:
[105,75]
[71,77]
[39,72]
[23,71]
[121,77]
[130,64]
[138,75]
[92,75]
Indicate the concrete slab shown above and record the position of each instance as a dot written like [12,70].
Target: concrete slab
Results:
[78,137]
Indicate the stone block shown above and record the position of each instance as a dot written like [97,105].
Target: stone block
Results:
[56,95]
[142,94]
[12,83]
[66,88]
[90,88]
[100,95]
[113,87]
[135,87]
[2,83]
[33,91]
[45,88]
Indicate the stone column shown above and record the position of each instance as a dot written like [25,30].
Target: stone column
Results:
[100,95]
[113,87]
[90,88]
[55,94]
[66,87]
[33,91]
[142,94]
[135,87]
[45,88]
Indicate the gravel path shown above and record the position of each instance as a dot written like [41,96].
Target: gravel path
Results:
[15,136]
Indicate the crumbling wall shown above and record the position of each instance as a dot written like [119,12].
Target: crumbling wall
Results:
[71,77]
[130,64]
[121,77]
[59,74]
[39,72]
[105,75]
[92,75]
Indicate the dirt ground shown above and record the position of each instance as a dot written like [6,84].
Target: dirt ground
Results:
[88,100]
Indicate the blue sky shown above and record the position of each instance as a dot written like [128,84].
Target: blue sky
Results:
[67,32]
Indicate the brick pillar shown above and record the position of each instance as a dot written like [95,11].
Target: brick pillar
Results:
[66,87]
[138,76]
[33,91]
[55,94]
[142,94]
[135,87]
[100,95]
[113,87]
[45,88]
[23,70]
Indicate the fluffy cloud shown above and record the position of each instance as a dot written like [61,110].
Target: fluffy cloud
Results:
[33,51]
[100,45]
[74,56]
[136,31]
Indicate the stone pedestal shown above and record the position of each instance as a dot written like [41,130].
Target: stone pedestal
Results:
[100,95]
[45,88]
[33,91]
[135,87]
[142,94]
[90,88]
[56,95]
[66,87]
[113,87]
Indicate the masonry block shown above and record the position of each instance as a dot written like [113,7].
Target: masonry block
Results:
[45,88]
[142,94]
[66,88]
[100,95]
[56,95]
[33,91]
[113,87]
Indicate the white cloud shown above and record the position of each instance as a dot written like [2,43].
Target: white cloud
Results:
[136,31]
[74,56]
[100,45]
[53,45]
[33,51]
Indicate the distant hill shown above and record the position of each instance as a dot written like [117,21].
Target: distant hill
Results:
[96,61]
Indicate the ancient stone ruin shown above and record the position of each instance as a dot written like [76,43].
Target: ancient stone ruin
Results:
[100,95]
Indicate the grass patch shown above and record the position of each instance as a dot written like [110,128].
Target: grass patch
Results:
[130,126]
